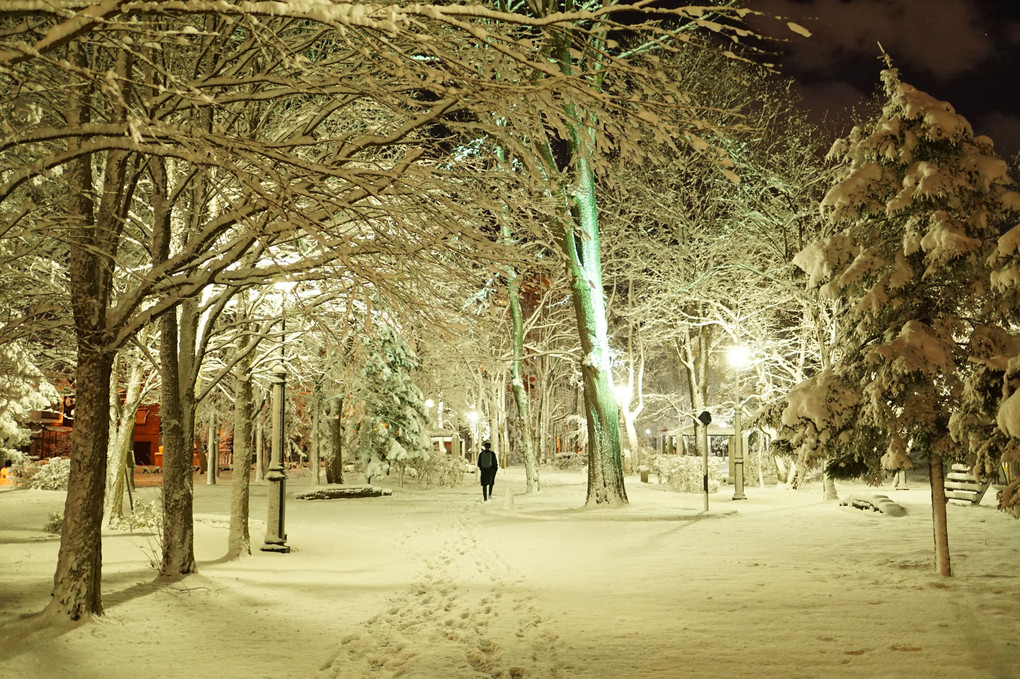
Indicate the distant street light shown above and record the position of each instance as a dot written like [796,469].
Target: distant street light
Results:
[622,394]
[739,357]
[429,405]
[473,416]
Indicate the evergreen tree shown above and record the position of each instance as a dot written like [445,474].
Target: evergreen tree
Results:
[22,389]
[914,217]
[392,429]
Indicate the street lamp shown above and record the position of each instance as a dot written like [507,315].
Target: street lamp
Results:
[473,416]
[622,394]
[704,418]
[739,357]
[276,475]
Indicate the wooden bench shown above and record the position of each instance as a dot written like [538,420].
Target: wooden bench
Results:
[964,488]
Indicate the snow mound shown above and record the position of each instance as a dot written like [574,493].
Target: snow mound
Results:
[334,491]
[875,503]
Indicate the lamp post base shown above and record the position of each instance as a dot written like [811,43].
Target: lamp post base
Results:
[280,549]
[738,480]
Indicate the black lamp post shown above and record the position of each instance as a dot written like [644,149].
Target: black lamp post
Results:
[276,475]
[739,358]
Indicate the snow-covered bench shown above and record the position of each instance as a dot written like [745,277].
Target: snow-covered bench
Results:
[964,488]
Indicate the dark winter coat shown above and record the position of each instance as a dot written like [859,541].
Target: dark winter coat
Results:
[487,475]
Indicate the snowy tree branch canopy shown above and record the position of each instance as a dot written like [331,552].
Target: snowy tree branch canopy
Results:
[356,125]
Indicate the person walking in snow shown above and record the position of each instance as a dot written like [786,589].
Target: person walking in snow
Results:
[487,467]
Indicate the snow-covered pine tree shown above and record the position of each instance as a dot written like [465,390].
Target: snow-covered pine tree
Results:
[915,215]
[22,389]
[392,430]
[988,421]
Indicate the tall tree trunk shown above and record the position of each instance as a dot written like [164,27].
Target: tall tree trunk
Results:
[178,514]
[579,240]
[188,363]
[521,397]
[940,525]
[212,451]
[635,387]
[315,443]
[829,493]
[260,457]
[76,582]
[693,349]
[334,441]
[119,472]
[78,574]
[238,538]
[122,428]
[488,394]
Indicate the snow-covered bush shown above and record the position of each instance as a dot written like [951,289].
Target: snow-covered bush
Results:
[22,390]
[51,474]
[147,515]
[1009,498]
[440,469]
[55,523]
[569,462]
[685,473]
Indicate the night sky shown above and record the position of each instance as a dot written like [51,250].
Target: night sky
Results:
[966,52]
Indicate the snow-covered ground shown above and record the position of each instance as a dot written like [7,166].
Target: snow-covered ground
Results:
[437,584]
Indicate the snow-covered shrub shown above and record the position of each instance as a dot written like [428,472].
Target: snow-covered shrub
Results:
[148,518]
[1009,498]
[440,469]
[51,474]
[22,390]
[569,462]
[18,461]
[148,515]
[55,523]
[685,473]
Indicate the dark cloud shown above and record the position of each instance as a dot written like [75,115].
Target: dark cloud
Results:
[1003,129]
[944,38]
[966,52]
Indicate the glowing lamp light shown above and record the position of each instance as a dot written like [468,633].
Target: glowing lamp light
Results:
[739,356]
